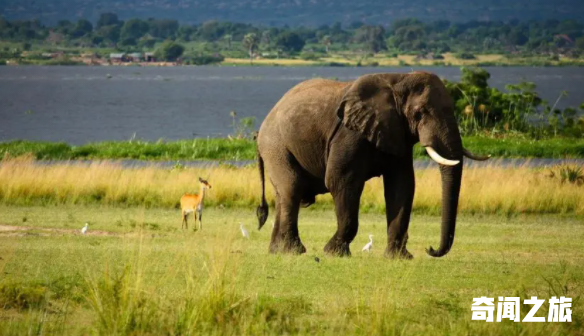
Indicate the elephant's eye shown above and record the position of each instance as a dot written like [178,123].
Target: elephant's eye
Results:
[418,115]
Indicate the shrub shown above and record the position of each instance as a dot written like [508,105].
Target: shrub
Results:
[568,173]
[309,56]
[465,56]
[15,295]
[204,59]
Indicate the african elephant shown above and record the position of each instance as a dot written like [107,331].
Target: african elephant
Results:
[328,136]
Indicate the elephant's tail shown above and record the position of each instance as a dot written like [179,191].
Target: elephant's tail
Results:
[262,211]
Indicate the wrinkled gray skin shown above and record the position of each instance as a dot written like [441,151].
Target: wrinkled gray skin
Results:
[327,136]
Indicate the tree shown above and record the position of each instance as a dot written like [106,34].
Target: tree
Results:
[326,41]
[82,28]
[228,38]
[134,29]
[170,51]
[250,43]
[372,37]
[517,37]
[290,41]
[266,37]
[580,43]
[163,28]
[185,33]
[107,19]
[111,33]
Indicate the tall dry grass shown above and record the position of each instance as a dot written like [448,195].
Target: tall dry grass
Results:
[492,189]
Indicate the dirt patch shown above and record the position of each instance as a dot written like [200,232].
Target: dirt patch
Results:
[12,230]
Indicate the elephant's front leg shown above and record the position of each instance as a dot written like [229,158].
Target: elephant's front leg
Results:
[399,184]
[346,197]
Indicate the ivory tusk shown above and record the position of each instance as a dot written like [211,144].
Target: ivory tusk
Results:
[472,156]
[436,157]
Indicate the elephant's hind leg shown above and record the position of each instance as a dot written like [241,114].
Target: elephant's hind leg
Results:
[287,182]
[285,237]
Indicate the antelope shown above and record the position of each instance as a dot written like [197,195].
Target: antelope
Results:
[194,203]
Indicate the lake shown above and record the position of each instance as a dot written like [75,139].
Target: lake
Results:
[86,104]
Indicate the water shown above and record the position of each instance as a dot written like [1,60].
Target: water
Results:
[86,104]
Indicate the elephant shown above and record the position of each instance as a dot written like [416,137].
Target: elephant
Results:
[326,136]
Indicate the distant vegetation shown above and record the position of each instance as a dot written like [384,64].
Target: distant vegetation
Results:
[295,13]
[547,40]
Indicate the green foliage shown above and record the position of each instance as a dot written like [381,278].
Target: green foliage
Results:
[568,173]
[107,19]
[465,56]
[290,41]
[410,36]
[203,59]
[245,148]
[21,296]
[479,108]
[372,37]
[169,51]
[250,43]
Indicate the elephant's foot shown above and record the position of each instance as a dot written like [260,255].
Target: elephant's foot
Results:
[401,253]
[337,248]
[291,246]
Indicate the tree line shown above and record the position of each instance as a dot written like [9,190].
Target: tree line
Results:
[410,36]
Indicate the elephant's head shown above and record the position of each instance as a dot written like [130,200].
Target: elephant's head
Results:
[394,111]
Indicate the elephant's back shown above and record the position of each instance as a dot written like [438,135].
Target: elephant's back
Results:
[305,106]
[302,120]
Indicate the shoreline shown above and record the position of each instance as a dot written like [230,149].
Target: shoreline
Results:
[333,60]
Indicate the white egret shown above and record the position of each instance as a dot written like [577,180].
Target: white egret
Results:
[244,231]
[84,230]
[369,245]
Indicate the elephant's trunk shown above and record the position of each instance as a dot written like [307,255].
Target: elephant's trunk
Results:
[451,178]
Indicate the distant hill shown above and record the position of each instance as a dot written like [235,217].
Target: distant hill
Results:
[295,12]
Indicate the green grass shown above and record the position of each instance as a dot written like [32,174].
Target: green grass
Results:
[243,149]
[195,149]
[138,273]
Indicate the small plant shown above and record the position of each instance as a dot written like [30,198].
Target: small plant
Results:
[178,166]
[244,129]
[21,296]
[568,173]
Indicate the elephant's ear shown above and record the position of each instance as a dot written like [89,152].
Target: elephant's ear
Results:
[369,107]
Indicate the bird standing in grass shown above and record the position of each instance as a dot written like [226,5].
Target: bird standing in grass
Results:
[244,231]
[84,230]
[369,245]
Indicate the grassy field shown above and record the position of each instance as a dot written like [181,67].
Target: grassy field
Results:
[488,190]
[244,149]
[136,272]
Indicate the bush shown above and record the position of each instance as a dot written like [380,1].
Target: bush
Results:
[568,173]
[309,56]
[204,59]
[465,56]
[170,51]
[14,295]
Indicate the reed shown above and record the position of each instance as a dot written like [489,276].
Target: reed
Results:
[490,190]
